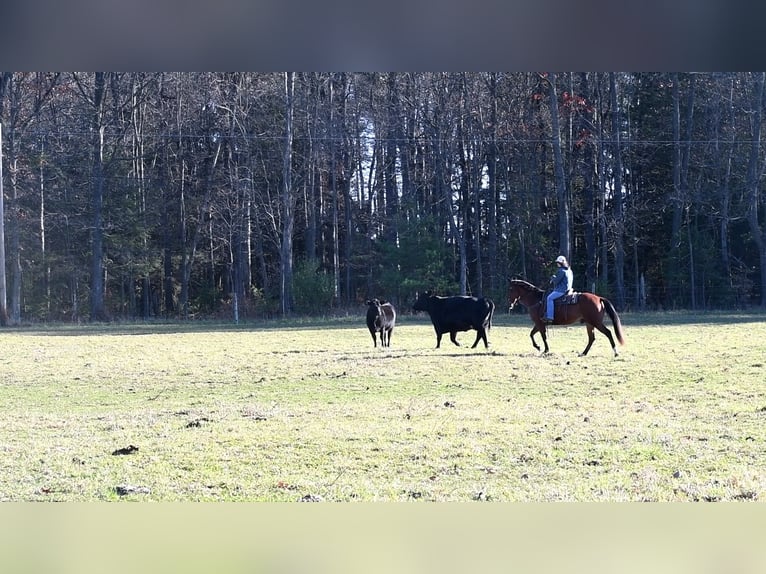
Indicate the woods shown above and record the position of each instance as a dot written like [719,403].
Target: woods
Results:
[244,195]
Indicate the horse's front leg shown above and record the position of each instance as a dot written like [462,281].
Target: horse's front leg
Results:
[541,330]
[545,338]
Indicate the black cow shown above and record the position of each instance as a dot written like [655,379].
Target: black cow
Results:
[453,314]
[381,317]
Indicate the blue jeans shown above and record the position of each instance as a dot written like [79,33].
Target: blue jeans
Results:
[549,309]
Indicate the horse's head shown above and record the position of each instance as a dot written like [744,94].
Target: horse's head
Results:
[514,294]
[519,291]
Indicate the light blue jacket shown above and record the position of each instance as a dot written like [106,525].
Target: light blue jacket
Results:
[563,280]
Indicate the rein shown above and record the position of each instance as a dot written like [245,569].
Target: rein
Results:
[525,295]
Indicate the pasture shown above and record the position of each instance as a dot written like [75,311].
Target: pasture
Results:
[311,411]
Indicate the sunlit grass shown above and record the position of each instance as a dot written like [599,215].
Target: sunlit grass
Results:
[311,411]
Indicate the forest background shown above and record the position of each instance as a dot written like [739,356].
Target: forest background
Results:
[256,195]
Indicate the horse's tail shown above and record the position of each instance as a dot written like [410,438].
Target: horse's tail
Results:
[615,320]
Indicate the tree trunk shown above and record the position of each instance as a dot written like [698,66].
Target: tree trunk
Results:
[492,156]
[345,172]
[8,86]
[443,190]
[589,174]
[3,293]
[15,243]
[565,241]
[681,157]
[753,179]
[288,202]
[725,189]
[190,250]
[332,148]
[97,308]
[166,245]
[619,217]
[389,167]
[602,201]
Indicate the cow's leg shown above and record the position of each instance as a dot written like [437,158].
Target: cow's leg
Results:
[481,335]
[452,338]
[438,339]
[388,337]
[374,338]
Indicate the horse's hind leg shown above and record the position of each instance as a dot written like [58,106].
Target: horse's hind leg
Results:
[605,330]
[591,338]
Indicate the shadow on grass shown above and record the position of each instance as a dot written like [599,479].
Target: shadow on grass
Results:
[513,319]
[655,318]
[400,353]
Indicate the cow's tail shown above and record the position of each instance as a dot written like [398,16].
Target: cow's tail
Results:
[489,315]
[615,320]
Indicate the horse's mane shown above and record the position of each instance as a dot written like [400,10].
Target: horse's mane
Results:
[526,285]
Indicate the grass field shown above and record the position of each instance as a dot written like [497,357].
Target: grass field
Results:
[310,411]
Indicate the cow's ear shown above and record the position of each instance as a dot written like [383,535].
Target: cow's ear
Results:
[369,302]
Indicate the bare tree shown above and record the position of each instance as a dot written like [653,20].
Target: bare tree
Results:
[754,177]
[3,294]
[288,200]
[5,80]
[562,197]
[97,100]
[618,214]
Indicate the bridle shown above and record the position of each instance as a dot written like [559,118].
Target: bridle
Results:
[518,297]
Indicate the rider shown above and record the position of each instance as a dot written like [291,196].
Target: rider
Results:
[562,282]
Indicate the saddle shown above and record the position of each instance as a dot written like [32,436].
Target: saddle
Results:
[568,298]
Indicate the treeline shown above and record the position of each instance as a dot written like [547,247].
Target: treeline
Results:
[140,195]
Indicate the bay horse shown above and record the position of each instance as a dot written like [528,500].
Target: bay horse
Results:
[586,308]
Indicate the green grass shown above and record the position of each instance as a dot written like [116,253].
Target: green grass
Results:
[285,411]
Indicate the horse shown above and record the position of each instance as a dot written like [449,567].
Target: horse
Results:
[588,308]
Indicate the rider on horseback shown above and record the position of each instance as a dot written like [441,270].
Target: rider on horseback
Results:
[562,283]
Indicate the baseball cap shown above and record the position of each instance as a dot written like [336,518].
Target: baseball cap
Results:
[561,259]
